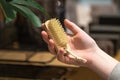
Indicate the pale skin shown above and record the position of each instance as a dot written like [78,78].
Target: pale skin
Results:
[83,46]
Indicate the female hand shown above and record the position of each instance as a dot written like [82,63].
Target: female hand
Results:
[80,43]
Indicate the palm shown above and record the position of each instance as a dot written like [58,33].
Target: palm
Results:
[81,45]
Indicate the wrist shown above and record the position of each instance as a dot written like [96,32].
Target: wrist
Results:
[102,63]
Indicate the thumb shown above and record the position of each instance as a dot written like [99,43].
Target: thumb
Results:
[70,25]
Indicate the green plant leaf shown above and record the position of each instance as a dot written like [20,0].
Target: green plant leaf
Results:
[30,3]
[26,12]
[9,13]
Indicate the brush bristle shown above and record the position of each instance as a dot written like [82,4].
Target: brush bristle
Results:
[56,32]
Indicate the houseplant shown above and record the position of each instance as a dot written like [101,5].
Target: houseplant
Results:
[10,10]
[11,7]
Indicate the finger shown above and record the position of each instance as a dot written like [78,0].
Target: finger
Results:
[60,56]
[45,36]
[74,28]
[43,25]
[51,43]
[51,46]
[65,58]
[70,25]
[52,50]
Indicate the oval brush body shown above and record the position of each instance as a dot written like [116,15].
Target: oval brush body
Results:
[57,33]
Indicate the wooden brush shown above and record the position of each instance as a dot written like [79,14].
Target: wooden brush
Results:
[57,33]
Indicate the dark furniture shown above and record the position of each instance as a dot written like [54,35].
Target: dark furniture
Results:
[108,28]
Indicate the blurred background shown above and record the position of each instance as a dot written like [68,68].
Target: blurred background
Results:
[25,56]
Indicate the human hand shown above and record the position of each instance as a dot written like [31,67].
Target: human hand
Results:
[80,43]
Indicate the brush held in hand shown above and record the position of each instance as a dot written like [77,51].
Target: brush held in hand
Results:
[57,33]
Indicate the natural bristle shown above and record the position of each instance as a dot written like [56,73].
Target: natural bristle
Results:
[56,32]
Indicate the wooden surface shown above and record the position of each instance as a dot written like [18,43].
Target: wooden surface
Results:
[35,58]
[30,57]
